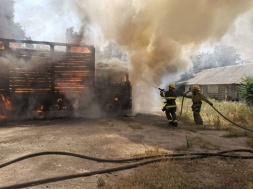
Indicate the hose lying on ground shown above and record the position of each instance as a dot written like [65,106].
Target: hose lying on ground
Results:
[146,160]
[126,160]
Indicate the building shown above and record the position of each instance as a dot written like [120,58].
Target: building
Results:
[221,83]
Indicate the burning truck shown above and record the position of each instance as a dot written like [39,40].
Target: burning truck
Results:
[43,77]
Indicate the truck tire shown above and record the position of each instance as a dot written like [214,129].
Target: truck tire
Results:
[113,108]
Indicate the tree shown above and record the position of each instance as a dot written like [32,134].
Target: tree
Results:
[246,90]
[8,28]
[221,56]
[69,34]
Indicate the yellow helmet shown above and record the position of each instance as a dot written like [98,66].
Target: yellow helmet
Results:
[172,85]
[196,87]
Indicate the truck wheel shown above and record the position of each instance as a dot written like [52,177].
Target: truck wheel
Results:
[113,108]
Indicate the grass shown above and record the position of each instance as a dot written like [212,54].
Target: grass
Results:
[201,174]
[159,175]
[236,133]
[237,112]
[197,142]
[100,182]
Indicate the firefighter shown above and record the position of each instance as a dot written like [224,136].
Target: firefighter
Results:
[197,98]
[170,104]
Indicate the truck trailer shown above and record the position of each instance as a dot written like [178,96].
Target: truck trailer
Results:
[42,77]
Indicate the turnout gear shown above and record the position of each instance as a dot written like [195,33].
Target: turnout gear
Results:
[170,105]
[197,99]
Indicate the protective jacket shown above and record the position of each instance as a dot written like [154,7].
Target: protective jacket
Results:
[170,97]
[197,97]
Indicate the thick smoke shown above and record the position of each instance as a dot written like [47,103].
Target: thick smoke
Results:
[157,35]
[241,35]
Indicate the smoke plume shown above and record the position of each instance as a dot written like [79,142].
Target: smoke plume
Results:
[157,35]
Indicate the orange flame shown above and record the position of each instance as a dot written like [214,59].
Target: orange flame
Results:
[1,45]
[59,100]
[15,45]
[40,109]
[7,102]
[3,116]
[80,50]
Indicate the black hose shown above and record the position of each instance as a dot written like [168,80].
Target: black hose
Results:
[230,120]
[181,156]
[126,160]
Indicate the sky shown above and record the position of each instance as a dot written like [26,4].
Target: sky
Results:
[43,22]
[159,36]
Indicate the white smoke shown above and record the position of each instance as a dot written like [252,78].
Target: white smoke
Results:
[240,35]
[158,36]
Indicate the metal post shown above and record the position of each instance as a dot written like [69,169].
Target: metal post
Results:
[52,69]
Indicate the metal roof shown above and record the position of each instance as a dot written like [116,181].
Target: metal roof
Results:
[222,75]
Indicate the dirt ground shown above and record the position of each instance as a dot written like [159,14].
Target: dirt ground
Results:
[109,138]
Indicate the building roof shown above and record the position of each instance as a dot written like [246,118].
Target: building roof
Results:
[222,75]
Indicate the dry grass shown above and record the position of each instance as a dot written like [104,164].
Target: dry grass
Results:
[233,132]
[209,173]
[237,112]
[197,142]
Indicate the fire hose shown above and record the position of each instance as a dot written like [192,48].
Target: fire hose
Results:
[182,103]
[218,113]
[144,160]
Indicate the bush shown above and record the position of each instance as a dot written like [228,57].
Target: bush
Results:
[246,90]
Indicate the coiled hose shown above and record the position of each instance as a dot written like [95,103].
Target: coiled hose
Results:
[143,161]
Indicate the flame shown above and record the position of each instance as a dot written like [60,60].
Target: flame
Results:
[7,102]
[7,105]
[80,50]
[15,45]
[1,45]
[40,109]
[59,100]
[3,117]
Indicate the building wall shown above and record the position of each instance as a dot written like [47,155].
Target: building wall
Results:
[217,92]
[233,93]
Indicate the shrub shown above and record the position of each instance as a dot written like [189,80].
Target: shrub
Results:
[246,90]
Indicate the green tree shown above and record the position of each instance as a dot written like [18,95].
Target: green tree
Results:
[246,90]
[8,28]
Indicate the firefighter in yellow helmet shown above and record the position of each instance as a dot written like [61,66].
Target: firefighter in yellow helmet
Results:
[170,104]
[197,98]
